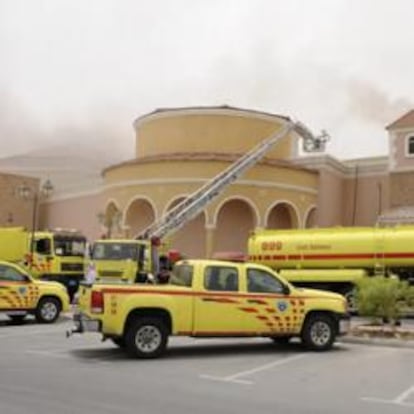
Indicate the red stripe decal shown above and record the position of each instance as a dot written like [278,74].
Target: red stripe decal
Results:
[249,310]
[219,300]
[341,256]
[129,291]
[257,301]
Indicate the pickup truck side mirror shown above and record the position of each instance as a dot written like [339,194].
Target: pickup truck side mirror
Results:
[285,290]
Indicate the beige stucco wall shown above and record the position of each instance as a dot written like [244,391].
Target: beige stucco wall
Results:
[163,182]
[366,197]
[330,201]
[402,188]
[400,160]
[15,211]
[77,212]
[180,150]
[208,130]
[352,193]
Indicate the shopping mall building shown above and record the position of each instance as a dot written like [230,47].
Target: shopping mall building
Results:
[178,150]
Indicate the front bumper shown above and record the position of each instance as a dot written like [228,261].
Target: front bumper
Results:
[83,323]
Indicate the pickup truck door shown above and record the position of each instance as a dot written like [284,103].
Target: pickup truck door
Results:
[267,308]
[17,291]
[216,306]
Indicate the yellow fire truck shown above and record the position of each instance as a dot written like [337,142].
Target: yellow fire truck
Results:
[56,255]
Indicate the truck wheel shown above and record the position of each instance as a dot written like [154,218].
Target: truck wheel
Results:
[146,338]
[48,310]
[319,332]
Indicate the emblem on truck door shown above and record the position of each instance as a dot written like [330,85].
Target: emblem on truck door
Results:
[281,305]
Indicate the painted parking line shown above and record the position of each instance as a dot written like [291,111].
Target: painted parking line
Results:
[235,378]
[399,400]
[31,333]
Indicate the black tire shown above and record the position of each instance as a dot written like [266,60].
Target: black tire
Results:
[281,340]
[319,332]
[146,337]
[48,310]
[17,319]
[119,341]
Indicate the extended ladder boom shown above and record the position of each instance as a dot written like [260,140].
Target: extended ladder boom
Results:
[196,202]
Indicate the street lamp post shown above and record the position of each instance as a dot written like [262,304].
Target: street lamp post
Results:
[26,192]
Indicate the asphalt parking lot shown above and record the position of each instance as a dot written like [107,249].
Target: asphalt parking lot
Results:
[44,372]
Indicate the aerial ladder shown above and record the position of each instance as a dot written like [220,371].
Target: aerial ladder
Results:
[184,211]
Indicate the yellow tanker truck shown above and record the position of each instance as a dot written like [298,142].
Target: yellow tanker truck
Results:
[335,258]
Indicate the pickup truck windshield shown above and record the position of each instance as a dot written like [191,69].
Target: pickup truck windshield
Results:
[115,251]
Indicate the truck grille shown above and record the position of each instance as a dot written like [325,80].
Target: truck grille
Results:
[71,267]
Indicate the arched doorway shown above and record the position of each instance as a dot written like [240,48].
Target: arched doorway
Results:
[235,219]
[110,220]
[190,239]
[282,216]
[139,214]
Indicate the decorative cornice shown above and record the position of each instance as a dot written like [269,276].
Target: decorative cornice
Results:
[346,169]
[207,110]
[202,156]
[185,180]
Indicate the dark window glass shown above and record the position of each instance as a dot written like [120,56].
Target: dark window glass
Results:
[223,278]
[411,145]
[43,246]
[115,251]
[260,281]
[11,274]
[182,275]
[68,246]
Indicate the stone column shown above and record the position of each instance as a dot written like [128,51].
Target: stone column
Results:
[210,230]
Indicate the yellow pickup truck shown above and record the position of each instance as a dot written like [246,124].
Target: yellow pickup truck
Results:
[210,298]
[21,295]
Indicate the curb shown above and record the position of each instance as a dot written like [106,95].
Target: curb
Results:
[388,342]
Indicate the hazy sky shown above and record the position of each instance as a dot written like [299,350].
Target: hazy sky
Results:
[85,69]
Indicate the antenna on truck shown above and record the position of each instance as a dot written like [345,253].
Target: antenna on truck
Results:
[183,212]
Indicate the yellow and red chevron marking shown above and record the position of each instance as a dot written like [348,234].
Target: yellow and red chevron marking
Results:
[16,296]
[11,301]
[6,299]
